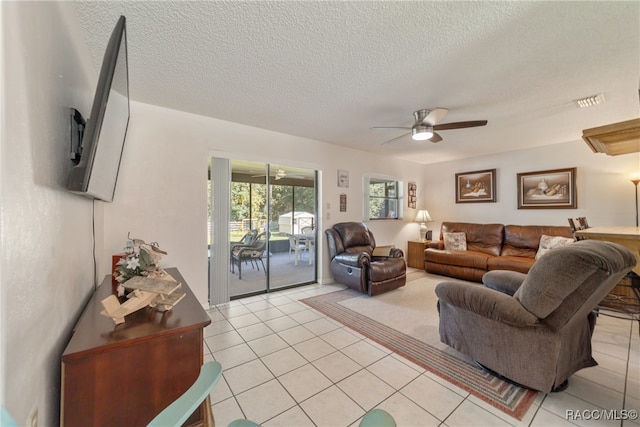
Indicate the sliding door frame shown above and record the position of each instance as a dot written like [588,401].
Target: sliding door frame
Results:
[219,255]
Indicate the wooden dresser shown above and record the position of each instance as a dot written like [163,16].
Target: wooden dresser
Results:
[124,375]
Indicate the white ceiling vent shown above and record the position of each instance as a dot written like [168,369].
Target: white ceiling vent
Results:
[590,101]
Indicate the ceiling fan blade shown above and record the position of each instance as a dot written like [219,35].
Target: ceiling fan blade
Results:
[390,127]
[434,116]
[460,125]
[397,137]
[435,138]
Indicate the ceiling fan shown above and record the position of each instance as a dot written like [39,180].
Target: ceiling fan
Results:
[280,173]
[425,125]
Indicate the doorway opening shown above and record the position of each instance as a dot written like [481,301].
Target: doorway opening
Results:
[272,217]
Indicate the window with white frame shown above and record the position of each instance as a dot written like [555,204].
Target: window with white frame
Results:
[383,198]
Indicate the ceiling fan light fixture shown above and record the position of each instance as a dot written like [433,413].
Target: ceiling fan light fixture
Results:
[421,132]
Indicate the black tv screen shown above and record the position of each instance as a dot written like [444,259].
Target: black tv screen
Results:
[96,174]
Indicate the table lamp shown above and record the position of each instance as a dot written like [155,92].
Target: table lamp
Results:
[636,180]
[423,217]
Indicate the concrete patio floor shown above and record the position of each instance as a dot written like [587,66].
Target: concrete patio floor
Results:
[283,273]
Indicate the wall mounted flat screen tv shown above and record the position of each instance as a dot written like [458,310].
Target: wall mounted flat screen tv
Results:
[96,173]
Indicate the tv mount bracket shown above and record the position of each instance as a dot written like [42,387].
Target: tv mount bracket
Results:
[78,123]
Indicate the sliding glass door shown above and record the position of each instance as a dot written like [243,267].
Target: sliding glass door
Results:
[248,229]
[292,216]
[271,214]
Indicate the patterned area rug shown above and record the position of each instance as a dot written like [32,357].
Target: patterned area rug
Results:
[418,340]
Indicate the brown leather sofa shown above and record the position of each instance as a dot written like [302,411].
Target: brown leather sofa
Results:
[353,263]
[489,247]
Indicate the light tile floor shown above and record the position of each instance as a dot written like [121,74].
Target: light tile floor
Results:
[286,364]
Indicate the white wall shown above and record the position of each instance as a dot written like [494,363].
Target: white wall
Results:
[605,194]
[46,270]
[162,188]
[161,193]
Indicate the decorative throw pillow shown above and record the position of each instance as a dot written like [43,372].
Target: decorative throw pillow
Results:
[550,242]
[455,241]
[382,250]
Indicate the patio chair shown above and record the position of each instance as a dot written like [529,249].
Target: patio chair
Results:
[252,254]
[297,246]
[247,240]
[310,241]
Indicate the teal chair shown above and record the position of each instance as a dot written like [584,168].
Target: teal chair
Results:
[6,420]
[243,423]
[373,418]
[377,418]
[182,408]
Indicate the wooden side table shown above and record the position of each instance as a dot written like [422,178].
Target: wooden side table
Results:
[415,253]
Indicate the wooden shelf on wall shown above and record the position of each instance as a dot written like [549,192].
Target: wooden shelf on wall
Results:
[614,139]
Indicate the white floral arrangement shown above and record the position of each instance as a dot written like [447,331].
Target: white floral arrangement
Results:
[141,259]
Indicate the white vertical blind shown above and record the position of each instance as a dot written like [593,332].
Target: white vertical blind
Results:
[219,262]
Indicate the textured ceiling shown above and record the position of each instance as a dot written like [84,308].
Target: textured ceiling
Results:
[331,70]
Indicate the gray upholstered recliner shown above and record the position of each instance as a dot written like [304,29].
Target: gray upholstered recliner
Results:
[353,262]
[534,329]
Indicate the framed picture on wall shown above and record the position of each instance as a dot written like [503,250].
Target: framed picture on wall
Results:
[411,198]
[551,189]
[477,186]
[343,178]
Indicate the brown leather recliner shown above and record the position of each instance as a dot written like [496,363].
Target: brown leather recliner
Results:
[351,248]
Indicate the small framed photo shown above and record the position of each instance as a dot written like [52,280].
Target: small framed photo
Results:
[551,189]
[412,195]
[477,186]
[343,202]
[343,178]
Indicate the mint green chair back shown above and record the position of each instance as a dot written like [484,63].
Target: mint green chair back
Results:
[377,418]
[373,418]
[6,420]
[182,408]
[243,423]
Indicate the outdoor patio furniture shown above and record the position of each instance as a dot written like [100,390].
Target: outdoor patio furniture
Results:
[247,240]
[252,254]
[297,245]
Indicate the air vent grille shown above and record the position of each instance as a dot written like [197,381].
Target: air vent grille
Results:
[590,101]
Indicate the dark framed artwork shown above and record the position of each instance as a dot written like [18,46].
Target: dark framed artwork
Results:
[412,187]
[551,189]
[475,187]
